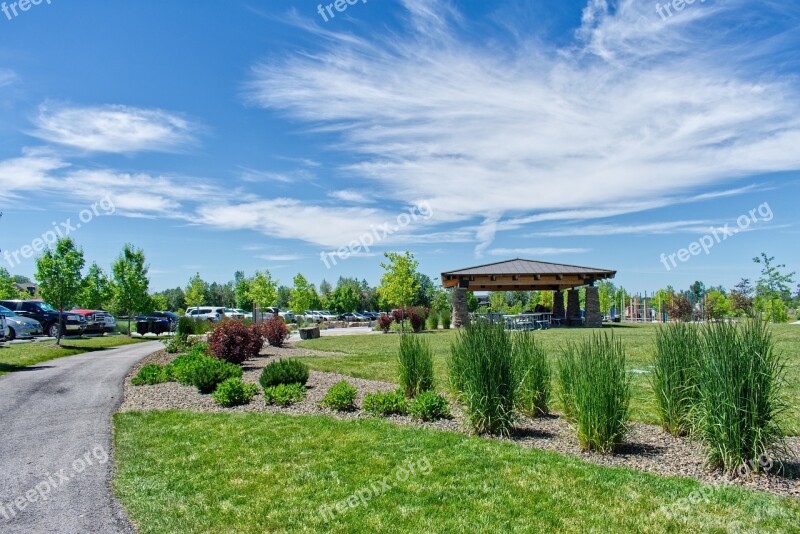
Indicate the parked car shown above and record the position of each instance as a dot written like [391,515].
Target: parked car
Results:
[206,313]
[232,313]
[371,316]
[71,323]
[16,326]
[3,328]
[349,317]
[360,317]
[158,322]
[243,313]
[288,316]
[110,322]
[95,320]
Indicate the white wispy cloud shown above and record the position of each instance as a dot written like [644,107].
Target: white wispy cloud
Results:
[8,77]
[114,128]
[280,257]
[635,114]
[671,227]
[352,196]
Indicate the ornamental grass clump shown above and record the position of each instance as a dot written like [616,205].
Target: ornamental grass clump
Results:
[596,391]
[740,382]
[482,376]
[415,364]
[533,375]
[234,392]
[674,377]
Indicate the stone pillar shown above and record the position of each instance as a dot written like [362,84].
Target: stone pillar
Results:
[573,308]
[592,316]
[558,306]
[460,316]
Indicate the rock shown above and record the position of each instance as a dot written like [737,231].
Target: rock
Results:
[309,332]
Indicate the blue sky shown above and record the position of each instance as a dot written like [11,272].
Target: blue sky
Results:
[257,135]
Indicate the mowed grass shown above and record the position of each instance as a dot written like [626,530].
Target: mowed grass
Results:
[375,357]
[189,472]
[20,355]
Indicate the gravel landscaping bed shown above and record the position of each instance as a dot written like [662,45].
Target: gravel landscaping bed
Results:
[648,448]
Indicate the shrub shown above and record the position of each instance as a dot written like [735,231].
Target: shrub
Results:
[182,365]
[674,377]
[399,315]
[152,374]
[446,321]
[284,394]
[385,322]
[482,376]
[207,373]
[597,391]
[234,342]
[416,364]
[274,331]
[185,328]
[234,392]
[429,406]
[739,385]
[416,316]
[433,321]
[533,375]
[341,397]
[289,371]
[389,403]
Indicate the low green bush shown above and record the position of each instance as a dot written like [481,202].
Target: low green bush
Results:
[385,403]
[287,371]
[596,391]
[446,321]
[152,374]
[429,406]
[234,392]
[185,328]
[182,365]
[207,373]
[482,375]
[416,364]
[340,397]
[533,375]
[284,394]
[433,321]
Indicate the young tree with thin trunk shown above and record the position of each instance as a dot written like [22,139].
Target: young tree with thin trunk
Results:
[131,282]
[58,271]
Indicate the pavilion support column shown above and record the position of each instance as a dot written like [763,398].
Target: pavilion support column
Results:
[558,305]
[592,317]
[460,316]
[573,308]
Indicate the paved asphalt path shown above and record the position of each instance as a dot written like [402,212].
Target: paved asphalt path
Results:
[55,442]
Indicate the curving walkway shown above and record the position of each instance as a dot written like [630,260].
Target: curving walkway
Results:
[55,442]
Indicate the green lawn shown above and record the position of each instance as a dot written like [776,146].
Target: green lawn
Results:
[375,357]
[18,356]
[189,472]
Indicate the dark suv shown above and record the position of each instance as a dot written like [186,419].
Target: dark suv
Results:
[72,324]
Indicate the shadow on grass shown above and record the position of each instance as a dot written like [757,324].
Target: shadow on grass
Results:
[10,368]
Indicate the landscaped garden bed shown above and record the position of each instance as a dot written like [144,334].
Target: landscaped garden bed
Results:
[647,447]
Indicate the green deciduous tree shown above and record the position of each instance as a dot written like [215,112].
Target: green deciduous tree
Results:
[97,290]
[399,284]
[131,283]
[304,295]
[241,288]
[7,288]
[262,289]
[58,271]
[196,291]
[345,298]
[773,289]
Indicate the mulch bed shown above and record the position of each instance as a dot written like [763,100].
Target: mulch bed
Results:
[648,448]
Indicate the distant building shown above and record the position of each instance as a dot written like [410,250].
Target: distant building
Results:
[28,287]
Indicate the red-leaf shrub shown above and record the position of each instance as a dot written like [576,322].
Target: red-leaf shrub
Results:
[399,316]
[416,317]
[234,342]
[274,331]
[385,322]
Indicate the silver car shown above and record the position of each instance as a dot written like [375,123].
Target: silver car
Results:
[17,326]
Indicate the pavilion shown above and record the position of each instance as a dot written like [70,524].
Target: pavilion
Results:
[531,275]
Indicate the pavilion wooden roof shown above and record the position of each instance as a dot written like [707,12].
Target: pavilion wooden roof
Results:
[524,275]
